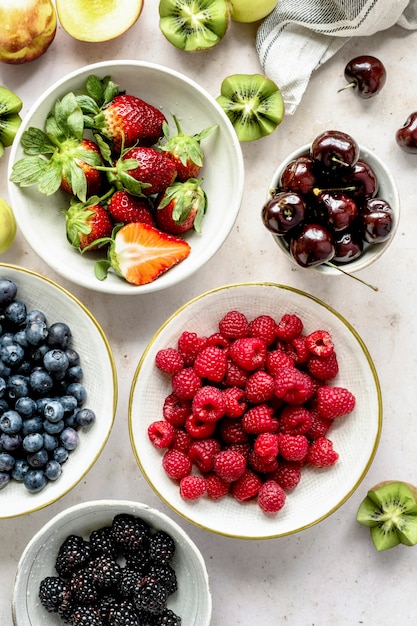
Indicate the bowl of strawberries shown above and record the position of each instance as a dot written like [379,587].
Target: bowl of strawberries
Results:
[118,166]
[258,418]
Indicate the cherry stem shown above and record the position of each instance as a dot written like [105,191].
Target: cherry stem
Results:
[336,267]
[348,86]
[317,191]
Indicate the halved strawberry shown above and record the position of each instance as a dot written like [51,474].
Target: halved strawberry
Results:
[125,208]
[181,207]
[141,253]
[87,222]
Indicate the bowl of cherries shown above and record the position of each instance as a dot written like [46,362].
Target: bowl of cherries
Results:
[332,205]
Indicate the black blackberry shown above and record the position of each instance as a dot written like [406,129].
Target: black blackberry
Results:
[129,532]
[83,589]
[124,614]
[129,578]
[105,604]
[161,547]
[105,572]
[140,559]
[150,595]
[55,595]
[73,554]
[102,542]
[87,616]
[166,575]
[168,618]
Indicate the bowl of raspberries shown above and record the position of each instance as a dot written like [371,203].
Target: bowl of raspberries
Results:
[57,401]
[111,562]
[255,410]
[131,172]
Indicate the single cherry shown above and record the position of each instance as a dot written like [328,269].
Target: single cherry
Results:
[335,150]
[337,208]
[283,211]
[299,176]
[363,179]
[348,246]
[377,219]
[366,75]
[312,246]
[406,136]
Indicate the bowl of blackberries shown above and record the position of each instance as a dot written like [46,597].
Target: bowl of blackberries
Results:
[58,391]
[111,562]
[332,205]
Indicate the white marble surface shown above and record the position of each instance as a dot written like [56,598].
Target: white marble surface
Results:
[329,574]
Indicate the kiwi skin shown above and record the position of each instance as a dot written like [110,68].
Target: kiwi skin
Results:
[390,511]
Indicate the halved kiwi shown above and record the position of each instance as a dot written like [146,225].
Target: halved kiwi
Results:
[390,511]
[10,120]
[253,103]
[193,25]
[9,102]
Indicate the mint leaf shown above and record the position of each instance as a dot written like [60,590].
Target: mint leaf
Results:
[28,170]
[35,141]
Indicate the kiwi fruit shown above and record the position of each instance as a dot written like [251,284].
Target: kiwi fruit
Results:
[390,511]
[193,25]
[253,103]
[10,120]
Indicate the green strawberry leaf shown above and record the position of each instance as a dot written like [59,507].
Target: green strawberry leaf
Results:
[66,121]
[51,178]
[77,180]
[101,269]
[104,148]
[89,156]
[87,105]
[28,170]
[130,184]
[35,141]
[102,91]
[206,132]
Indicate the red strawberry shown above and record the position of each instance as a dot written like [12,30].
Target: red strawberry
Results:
[125,208]
[185,150]
[94,178]
[141,253]
[153,169]
[86,223]
[181,207]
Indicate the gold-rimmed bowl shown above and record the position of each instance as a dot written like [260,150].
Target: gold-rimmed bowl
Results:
[99,378]
[320,492]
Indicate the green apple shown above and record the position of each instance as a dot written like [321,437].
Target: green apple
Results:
[251,10]
[98,21]
[27,28]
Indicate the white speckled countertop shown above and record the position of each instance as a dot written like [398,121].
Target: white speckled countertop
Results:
[329,574]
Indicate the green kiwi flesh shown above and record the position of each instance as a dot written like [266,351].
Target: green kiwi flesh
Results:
[390,511]
[253,103]
[9,102]
[193,25]
[10,120]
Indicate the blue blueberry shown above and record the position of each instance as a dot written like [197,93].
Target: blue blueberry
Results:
[26,406]
[38,459]
[11,422]
[35,315]
[15,312]
[55,361]
[20,468]
[60,454]
[7,462]
[59,335]
[34,480]
[9,443]
[12,354]
[4,405]
[74,374]
[69,403]
[73,357]
[36,331]
[50,443]
[4,479]
[53,411]
[85,417]
[53,470]
[32,442]
[2,386]
[41,382]
[38,352]
[69,438]
[53,428]
[18,386]
[5,370]
[78,391]
[20,338]
[32,424]
[6,339]
[8,291]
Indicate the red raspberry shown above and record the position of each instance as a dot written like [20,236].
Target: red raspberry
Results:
[169,360]
[202,453]
[265,327]
[288,474]
[276,360]
[234,325]
[235,401]
[176,410]
[249,353]
[293,386]
[235,375]
[320,343]
[323,367]
[186,383]
[247,486]
[229,465]
[231,431]
[192,487]
[161,433]
[211,363]
[293,447]
[198,429]
[177,464]
[262,464]
[259,419]
[208,404]
[295,420]
[266,444]
[332,402]
[216,487]
[321,453]
[299,350]
[189,345]
[242,448]
[319,426]
[271,497]
[260,387]
[217,340]
[289,327]
[182,440]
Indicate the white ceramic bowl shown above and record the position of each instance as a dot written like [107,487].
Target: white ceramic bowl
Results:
[192,600]
[39,217]
[387,190]
[99,379]
[356,438]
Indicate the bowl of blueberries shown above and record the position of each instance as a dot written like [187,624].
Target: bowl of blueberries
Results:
[57,402]
[332,205]
[111,562]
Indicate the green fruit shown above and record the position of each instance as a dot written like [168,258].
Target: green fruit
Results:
[253,103]
[193,25]
[390,511]
[9,102]
[10,120]
[7,226]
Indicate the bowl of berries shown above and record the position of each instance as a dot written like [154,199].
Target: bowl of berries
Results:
[255,410]
[332,205]
[131,172]
[111,562]
[58,391]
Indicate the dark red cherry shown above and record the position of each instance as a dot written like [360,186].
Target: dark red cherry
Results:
[338,209]
[335,150]
[366,75]
[348,246]
[283,211]
[312,246]
[299,175]
[406,136]
[363,179]
[377,220]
